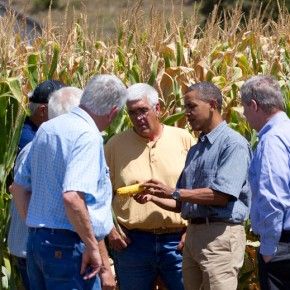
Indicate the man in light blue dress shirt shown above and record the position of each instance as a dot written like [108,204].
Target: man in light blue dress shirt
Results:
[67,211]
[269,173]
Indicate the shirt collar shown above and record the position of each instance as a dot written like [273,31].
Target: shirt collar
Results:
[31,124]
[212,135]
[85,116]
[279,116]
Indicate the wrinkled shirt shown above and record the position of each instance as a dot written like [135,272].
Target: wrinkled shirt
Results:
[18,231]
[67,155]
[219,161]
[270,182]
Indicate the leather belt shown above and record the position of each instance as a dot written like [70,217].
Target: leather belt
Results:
[285,236]
[206,220]
[160,231]
[63,232]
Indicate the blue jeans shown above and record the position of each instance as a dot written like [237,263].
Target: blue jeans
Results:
[54,261]
[148,256]
[20,264]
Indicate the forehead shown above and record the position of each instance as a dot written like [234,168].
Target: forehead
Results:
[192,97]
[143,103]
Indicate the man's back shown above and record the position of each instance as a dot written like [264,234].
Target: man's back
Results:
[57,159]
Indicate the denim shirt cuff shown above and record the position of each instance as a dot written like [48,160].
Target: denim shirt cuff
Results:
[267,249]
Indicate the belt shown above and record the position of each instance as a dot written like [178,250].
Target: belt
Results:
[285,236]
[161,231]
[206,220]
[63,232]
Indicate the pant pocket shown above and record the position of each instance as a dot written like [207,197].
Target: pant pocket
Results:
[60,262]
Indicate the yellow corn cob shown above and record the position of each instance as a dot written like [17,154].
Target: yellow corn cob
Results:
[130,189]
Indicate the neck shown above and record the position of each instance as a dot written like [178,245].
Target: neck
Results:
[215,121]
[35,121]
[157,133]
[99,120]
[265,117]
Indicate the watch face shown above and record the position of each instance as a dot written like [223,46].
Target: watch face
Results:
[176,195]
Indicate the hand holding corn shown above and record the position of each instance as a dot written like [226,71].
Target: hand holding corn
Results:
[130,190]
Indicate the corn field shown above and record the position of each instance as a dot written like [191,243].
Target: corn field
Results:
[169,53]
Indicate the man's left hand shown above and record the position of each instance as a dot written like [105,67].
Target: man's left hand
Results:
[157,188]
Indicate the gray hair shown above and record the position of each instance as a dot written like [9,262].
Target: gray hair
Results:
[33,107]
[207,92]
[139,91]
[63,100]
[265,91]
[103,93]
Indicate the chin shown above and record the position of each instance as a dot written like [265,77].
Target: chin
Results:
[195,127]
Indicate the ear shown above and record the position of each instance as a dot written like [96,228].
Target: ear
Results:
[157,109]
[254,106]
[42,110]
[113,113]
[213,104]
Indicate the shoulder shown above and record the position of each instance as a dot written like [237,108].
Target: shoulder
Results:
[120,138]
[178,132]
[232,137]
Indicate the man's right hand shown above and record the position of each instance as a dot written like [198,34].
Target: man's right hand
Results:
[116,241]
[91,263]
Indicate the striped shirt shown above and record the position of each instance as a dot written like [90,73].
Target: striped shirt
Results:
[270,183]
[219,161]
[67,155]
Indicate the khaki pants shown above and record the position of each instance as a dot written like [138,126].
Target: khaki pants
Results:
[212,256]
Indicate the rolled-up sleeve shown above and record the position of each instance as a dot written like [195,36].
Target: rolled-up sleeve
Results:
[232,169]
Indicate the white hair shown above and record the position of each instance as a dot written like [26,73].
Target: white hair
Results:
[103,93]
[63,100]
[140,91]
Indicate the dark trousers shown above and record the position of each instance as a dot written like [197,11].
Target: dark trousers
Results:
[275,275]
[20,264]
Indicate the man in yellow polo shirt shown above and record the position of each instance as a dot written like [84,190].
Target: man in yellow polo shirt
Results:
[148,247]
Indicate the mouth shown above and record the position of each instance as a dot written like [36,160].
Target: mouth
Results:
[142,125]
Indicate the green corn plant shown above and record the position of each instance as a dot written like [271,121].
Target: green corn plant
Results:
[12,113]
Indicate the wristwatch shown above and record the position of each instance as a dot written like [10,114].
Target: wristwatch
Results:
[176,195]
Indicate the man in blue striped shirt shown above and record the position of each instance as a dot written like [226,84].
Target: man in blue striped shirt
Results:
[269,173]
[212,193]
[66,173]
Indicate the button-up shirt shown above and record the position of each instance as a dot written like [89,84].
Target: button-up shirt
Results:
[270,182]
[18,231]
[219,161]
[67,155]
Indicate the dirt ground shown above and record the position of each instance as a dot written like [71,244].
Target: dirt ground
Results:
[102,15]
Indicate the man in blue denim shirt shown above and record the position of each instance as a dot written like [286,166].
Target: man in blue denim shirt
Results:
[270,179]
[212,193]
[38,101]
[66,173]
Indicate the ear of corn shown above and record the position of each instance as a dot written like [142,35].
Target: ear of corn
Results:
[130,190]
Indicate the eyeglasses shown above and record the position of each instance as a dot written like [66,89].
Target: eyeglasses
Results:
[141,112]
